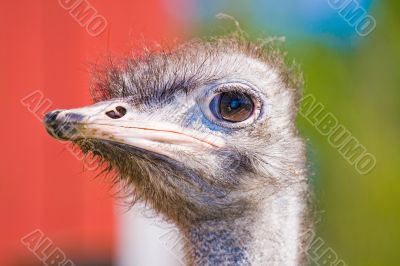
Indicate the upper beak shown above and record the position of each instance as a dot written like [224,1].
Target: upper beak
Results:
[116,121]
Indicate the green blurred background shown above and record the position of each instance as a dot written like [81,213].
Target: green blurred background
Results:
[354,77]
[358,80]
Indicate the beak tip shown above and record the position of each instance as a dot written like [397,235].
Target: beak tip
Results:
[51,117]
[63,127]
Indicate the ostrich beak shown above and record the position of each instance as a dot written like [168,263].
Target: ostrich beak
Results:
[116,121]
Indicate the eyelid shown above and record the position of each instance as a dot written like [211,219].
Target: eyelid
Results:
[214,105]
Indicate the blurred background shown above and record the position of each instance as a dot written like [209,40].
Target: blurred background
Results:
[45,52]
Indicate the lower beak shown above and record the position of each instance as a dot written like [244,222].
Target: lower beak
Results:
[116,121]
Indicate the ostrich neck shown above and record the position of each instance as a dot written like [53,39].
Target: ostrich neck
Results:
[272,235]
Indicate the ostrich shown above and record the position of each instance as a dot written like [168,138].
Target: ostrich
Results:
[205,134]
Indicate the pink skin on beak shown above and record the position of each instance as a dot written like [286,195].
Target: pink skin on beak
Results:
[116,121]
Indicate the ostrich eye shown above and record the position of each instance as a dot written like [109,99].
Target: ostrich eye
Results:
[232,106]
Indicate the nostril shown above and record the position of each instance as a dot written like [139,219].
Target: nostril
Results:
[117,113]
[121,110]
[51,117]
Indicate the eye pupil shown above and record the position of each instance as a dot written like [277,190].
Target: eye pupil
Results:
[234,106]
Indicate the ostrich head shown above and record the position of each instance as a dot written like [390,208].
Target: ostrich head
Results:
[203,131]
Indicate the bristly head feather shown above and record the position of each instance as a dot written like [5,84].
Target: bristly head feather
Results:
[158,81]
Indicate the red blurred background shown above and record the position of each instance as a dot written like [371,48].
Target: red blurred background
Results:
[43,186]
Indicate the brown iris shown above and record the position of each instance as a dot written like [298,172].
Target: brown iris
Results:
[234,106]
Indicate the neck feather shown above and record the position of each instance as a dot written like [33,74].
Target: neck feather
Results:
[270,235]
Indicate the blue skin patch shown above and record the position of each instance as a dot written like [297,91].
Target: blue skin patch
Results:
[195,116]
[219,247]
